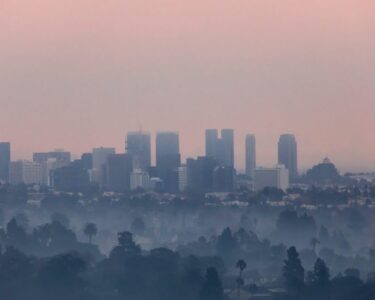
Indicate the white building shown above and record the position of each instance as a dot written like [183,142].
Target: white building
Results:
[139,180]
[277,177]
[23,171]
[182,178]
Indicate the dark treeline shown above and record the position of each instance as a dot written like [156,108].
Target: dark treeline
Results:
[192,246]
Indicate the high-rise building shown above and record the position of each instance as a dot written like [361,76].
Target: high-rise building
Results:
[71,178]
[138,145]
[27,172]
[211,141]
[221,149]
[4,161]
[227,136]
[119,168]
[99,163]
[277,177]
[200,173]
[167,143]
[168,159]
[250,154]
[223,179]
[287,154]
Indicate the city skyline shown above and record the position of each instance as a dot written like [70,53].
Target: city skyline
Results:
[80,80]
[240,147]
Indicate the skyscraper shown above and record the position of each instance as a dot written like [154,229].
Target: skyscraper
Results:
[119,168]
[211,141]
[168,159]
[167,144]
[287,154]
[227,136]
[221,149]
[99,163]
[250,154]
[4,161]
[138,145]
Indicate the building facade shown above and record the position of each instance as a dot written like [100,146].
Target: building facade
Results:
[5,158]
[250,154]
[287,154]
[277,177]
[138,145]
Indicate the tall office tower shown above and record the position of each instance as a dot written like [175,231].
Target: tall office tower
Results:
[119,168]
[138,145]
[227,136]
[4,161]
[287,153]
[86,159]
[167,143]
[221,149]
[99,163]
[168,159]
[200,173]
[27,172]
[250,154]
[211,141]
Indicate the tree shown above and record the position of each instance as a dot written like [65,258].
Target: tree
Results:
[138,226]
[90,230]
[226,243]
[241,265]
[314,241]
[212,287]
[125,240]
[61,218]
[320,280]
[293,272]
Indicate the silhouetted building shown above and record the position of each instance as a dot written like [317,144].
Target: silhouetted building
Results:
[87,162]
[138,145]
[200,173]
[50,161]
[4,161]
[119,168]
[221,149]
[223,179]
[168,159]
[287,154]
[211,141]
[72,178]
[250,154]
[99,164]
[27,172]
[277,177]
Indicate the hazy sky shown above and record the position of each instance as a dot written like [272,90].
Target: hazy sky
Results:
[77,74]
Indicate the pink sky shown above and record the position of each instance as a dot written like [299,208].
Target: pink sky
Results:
[78,74]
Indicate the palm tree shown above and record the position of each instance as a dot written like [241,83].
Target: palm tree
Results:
[90,230]
[241,265]
[314,241]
